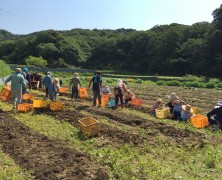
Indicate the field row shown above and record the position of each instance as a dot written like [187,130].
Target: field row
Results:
[131,143]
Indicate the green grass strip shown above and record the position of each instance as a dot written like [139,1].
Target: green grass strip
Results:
[10,170]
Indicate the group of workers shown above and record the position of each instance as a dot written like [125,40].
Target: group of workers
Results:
[21,82]
[183,112]
[121,93]
[180,111]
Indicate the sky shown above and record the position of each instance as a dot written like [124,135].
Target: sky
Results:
[28,16]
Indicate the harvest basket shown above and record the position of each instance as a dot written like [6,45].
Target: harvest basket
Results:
[195,110]
[89,126]
[104,101]
[57,106]
[106,95]
[83,93]
[25,107]
[199,121]
[162,113]
[28,97]
[137,102]
[38,103]
[63,90]
[5,94]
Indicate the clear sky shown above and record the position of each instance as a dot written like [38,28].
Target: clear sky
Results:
[27,16]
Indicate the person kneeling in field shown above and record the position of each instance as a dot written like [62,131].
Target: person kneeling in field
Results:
[106,91]
[187,112]
[215,115]
[54,89]
[129,96]
[171,102]
[158,104]
[177,109]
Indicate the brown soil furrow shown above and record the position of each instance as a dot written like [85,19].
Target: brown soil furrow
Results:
[45,157]
[179,136]
[110,135]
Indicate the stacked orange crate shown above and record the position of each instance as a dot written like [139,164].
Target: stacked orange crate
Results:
[199,121]
[137,102]
[25,107]
[5,94]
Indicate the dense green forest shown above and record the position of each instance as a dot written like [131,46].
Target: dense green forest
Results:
[173,49]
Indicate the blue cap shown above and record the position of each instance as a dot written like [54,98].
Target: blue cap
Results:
[25,69]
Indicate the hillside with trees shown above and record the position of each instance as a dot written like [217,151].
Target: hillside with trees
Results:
[173,49]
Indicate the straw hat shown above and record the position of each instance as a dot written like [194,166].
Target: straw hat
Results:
[56,80]
[173,96]
[187,108]
[76,75]
[159,100]
[18,70]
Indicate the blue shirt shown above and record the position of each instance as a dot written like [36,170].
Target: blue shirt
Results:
[47,81]
[177,108]
[96,82]
[185,115]
[53,91]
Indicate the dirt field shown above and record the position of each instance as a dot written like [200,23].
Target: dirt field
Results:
[48,158]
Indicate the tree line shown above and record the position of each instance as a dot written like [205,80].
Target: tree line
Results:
[173,49]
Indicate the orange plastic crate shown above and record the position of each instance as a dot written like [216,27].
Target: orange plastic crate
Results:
[106,95]
[104,100]
[162,113]
[5,94]
[89,126]
[199,121]
[83,93]
[137,102]
[3,98]
[25,107]
[56,106]
[38,103]
[28,97]
[63,90]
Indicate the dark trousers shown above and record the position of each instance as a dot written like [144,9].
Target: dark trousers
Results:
[127,100]
[74,92]
[96,94]
[177,115]
[23,90]
[216,121]
[46,92]
[117,97]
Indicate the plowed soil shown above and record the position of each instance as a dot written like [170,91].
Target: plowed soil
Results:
[46,158]
[152,129]
[110,135]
